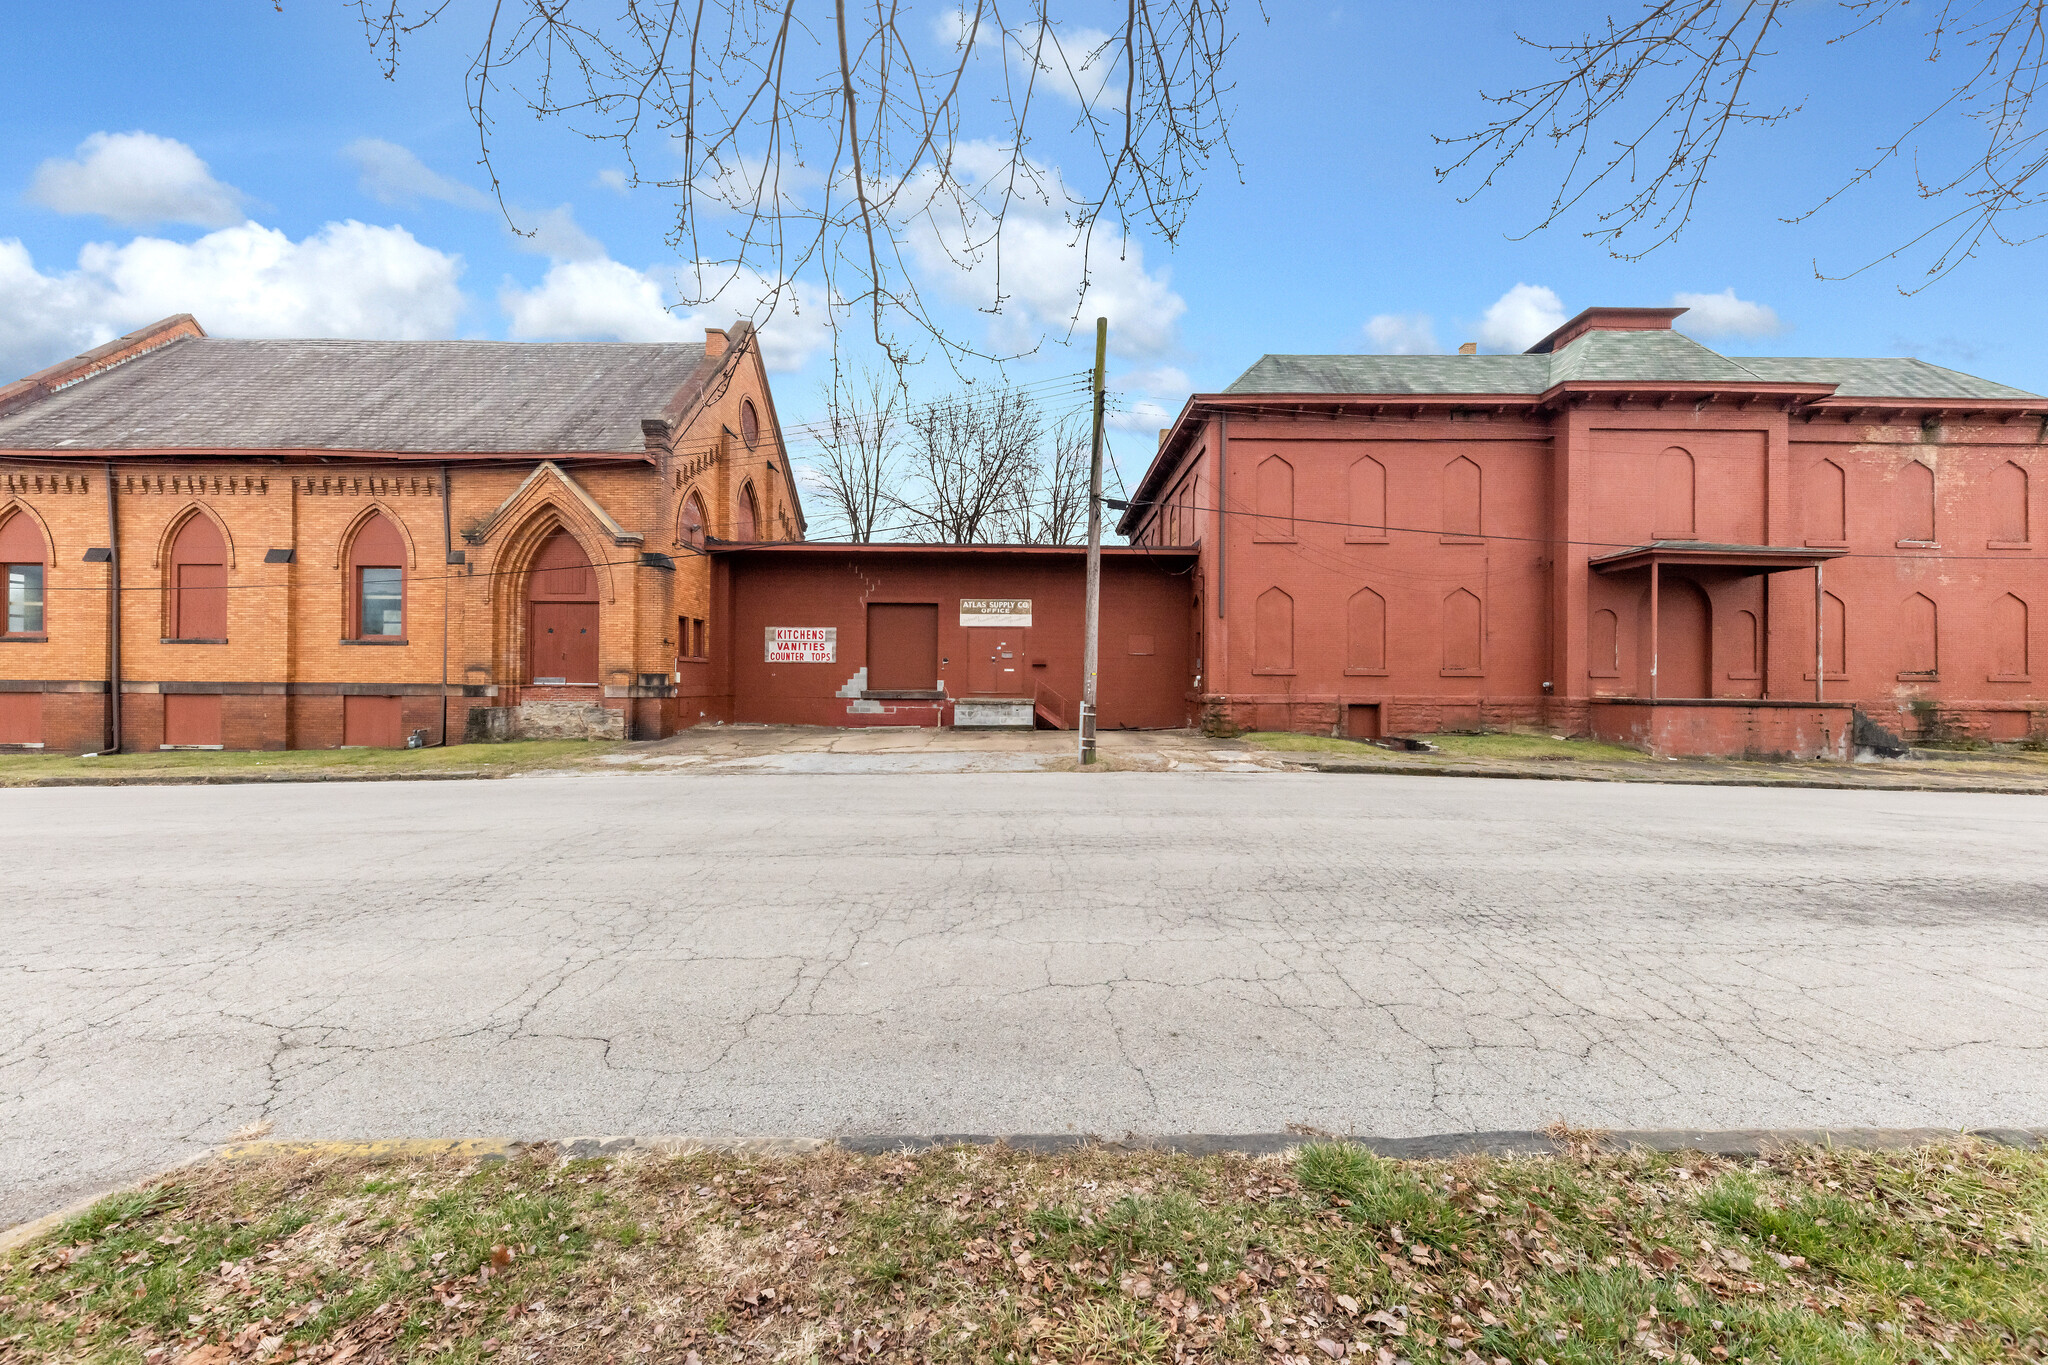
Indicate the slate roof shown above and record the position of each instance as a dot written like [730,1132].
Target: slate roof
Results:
[427,397]
[1644,357]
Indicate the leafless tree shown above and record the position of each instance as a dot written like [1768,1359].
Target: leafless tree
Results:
[855,468]
[1640,110]
[1050,507]
[822,138]
[966,460]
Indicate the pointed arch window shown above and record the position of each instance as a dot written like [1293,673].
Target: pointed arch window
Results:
[690,522]
[198,605]
[1365,634]
[1461,511]
[2009,508]
[747,515]
[1273,632]
[23,567]
[1915,504]
[377,582]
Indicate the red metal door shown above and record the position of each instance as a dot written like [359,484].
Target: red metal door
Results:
[21,718]
[995,661]
[565,642]
[191,719]
[373,722]
[903,646]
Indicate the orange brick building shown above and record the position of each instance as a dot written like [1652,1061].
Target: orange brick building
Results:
[298,544]
[1619,533]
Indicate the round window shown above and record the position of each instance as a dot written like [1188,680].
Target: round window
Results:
[750,422]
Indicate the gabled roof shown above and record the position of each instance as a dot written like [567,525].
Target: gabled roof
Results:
[425,397]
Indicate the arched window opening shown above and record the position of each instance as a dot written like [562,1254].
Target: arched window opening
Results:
[1273,632]
[376,561]
[199,582]
[2009,505]
[1827,490]
[1365,622]
[1461,632]
[1920,635]
[1916,503]
[1674,495]
[2009,639]
[750,423]
[21,562]
[1834,626]
[1275,492]
[746,515]
[1743,653]
[690,522]
[1603,645]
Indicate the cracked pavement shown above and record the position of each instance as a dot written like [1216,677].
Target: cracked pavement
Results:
[1107,952]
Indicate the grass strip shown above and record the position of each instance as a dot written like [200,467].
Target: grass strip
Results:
[492,759]
[1093,1255]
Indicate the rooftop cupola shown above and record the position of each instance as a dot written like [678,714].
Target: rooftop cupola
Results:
[1606,320]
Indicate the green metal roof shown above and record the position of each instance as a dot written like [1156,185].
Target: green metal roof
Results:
[1641,357]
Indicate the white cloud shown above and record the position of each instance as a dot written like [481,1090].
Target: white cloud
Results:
[613,179]
[1042,268]
[1520,318]
[346,280]
[1724,315]
[393,175]
[603,300]
[1401,334]
[136,178]
[555,233]
[1150,398]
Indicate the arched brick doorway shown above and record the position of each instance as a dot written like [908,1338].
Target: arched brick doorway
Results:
[561,615]
[1685,640]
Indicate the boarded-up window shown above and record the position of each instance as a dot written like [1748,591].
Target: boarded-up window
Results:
[1827,504]
[1674,495]
[690,522]
[1461,498]
[21,575]
[750,423]
[2009,637]
[1914,500]
[21,718]
[1834,625]
[2009,504]
[199,581]
[1275,500]
[1273,633]
[1365,632]
[1742,645]
[1603,644]
[903,646]
[373,722]
[1919,636]
[192,719]
[746,515]
[1461,632]
[1368,516]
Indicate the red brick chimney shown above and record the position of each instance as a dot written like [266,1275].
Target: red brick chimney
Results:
[714,342]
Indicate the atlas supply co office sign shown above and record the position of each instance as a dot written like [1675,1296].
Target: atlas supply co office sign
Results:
[803,644]
[995,611]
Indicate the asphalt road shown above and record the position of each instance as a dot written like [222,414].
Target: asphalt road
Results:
[1106,953]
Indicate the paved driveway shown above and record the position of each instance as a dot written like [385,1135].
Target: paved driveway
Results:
[1002,953]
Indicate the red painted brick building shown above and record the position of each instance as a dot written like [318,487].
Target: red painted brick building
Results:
[1618,533]
[297,544]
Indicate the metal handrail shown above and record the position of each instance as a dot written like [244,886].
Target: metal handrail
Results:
[1056,706]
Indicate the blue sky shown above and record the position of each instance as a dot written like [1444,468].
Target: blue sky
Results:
[284,186]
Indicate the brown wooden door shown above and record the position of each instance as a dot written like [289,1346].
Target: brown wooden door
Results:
[21,718]
[191,718]
[995,661]
[903,646]
[565,641]
[373,722]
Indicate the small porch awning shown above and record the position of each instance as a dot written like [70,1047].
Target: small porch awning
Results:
[1704,554]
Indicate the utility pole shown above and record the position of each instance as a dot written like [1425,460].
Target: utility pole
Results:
[1090,644]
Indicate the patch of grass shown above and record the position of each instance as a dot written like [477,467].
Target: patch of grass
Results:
[1501,746]
[516,756]
[969,1255]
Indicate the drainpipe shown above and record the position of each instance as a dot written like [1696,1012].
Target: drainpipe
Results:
[447,553]
[113,617]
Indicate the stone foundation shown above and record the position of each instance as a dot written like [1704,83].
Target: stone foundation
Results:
[567,720]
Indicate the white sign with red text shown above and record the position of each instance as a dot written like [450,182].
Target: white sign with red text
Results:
[803,644]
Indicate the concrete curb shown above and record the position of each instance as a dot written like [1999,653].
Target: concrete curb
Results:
[1767,783]
[1735,1143]
[249,779]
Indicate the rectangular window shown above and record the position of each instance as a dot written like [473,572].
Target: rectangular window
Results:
[703,650]
[383,598]
[24,599]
